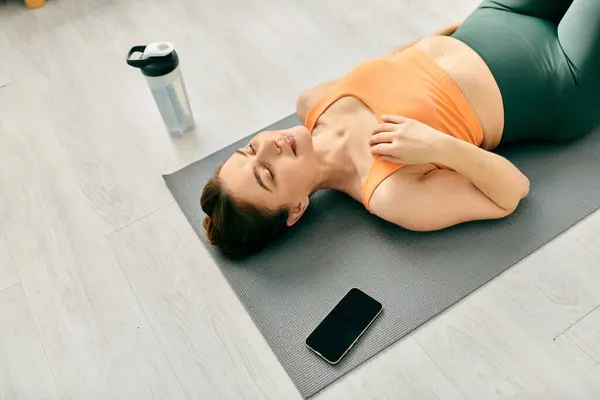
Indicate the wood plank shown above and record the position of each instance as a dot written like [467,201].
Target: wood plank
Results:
[403,371]
[210,340]
[96,338]
[582,342]
[24,369]
[8,275]
[555,286]
[15,63]
[490,348]
[588,233]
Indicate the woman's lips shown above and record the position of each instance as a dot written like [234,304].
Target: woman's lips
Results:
[292,142]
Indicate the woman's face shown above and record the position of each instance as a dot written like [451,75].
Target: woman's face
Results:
[276,170]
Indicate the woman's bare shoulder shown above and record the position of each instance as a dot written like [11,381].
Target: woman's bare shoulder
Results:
[308,97]
[393,194]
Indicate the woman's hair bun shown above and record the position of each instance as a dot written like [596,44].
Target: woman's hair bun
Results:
[238,228]
[208,227]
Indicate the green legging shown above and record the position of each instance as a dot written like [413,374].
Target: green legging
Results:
[545,57]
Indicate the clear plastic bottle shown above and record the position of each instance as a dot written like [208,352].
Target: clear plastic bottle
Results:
[159,63]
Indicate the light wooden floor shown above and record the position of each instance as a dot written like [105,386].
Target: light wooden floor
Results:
[106,293]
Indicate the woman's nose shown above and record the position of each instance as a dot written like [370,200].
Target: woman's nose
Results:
[269,148]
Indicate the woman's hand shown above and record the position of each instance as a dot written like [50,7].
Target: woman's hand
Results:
[407,141]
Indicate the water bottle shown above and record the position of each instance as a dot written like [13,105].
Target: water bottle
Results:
[160,65]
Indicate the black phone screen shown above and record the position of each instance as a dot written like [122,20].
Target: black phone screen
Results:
[334,336]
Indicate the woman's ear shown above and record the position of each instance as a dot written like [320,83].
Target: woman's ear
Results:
[296,212]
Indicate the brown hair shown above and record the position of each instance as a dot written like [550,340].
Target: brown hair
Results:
[237,228]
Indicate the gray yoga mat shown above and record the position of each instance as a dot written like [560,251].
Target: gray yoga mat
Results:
[288,288]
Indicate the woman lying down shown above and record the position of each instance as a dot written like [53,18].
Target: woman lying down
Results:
[411,135]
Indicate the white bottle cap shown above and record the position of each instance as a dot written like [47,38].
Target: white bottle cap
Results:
[156,59]
[158,49]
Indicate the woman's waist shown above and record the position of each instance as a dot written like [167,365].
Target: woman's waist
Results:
[472,77]
[526,61]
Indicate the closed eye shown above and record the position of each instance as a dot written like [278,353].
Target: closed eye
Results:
[268,168]
[252,148]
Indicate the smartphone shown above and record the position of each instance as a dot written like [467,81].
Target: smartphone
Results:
[343,326]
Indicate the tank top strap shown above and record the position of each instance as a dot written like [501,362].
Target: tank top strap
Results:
[379,171]
[330,96]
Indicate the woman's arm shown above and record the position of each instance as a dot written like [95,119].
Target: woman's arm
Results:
[448,30]
[407,141]
[432,201]
[495,176]
[489,187]
[445,31]
[480,184]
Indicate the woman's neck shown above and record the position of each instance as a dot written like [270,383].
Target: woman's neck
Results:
[337,171]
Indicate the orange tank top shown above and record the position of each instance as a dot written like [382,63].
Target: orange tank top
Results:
[409,84]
